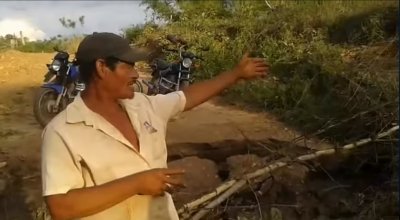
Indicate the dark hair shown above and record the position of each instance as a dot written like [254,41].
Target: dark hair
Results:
[88,69]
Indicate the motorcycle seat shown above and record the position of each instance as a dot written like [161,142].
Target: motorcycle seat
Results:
[162,64]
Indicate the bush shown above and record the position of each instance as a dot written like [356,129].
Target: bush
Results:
[319,77]
[47,46]
[37,47]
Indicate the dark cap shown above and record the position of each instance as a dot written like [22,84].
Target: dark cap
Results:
[104,45]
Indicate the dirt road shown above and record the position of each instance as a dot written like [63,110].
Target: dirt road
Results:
[21,75]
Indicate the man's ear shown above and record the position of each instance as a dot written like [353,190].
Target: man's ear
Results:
[101,68]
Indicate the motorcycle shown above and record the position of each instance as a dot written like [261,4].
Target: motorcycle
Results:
[168,77]
[61,85]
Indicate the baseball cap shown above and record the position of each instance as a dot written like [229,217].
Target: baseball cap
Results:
[103,45]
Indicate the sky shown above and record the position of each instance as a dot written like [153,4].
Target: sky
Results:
[39,20]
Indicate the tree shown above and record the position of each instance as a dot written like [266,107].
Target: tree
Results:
[63,22]
[9,36]
[132,33]
[69,23]
[82,20]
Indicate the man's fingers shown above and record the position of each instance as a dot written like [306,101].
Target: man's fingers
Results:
[260,66]
[174,181]
[174,172]
[260,63]
[258,70]
[258,60]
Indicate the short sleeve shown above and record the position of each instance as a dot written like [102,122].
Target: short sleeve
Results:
[61,172]
[169,105]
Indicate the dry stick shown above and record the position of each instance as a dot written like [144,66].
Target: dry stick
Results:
[268,4]
[258,201]
[239,184]
[345,120]
[192,205]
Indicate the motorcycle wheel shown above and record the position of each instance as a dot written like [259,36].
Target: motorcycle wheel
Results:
[44,102]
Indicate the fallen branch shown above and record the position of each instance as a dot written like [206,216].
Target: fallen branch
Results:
[269,5]
[333,188]
[234,188]
[193,205]
[235,185]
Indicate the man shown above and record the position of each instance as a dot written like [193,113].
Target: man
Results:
[105,157]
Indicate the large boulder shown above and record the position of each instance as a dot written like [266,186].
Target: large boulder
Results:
[201,177]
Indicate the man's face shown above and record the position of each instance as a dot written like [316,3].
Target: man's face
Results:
[119,83]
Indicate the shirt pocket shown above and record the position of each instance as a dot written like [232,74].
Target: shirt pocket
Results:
[157,148]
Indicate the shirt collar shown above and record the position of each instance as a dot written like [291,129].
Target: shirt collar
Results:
[77,111]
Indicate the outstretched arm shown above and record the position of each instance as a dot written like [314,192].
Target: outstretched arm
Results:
[248,68]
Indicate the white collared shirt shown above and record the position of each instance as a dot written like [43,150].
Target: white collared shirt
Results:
[82,149]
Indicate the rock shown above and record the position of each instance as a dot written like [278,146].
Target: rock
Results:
[201,177]
[239,165]
[292,176]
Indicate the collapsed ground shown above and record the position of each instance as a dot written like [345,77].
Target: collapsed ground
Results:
[214,143]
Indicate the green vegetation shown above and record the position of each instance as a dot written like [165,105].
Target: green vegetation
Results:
[69,44]
[321,71]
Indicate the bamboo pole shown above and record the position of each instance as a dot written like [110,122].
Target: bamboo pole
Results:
[193,205]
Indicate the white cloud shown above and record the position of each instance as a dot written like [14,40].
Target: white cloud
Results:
[110,16]
[14,26]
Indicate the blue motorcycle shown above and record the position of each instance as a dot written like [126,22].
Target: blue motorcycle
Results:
[60,86]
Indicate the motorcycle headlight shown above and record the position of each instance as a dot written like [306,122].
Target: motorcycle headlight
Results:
[187,62]
[56,65]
